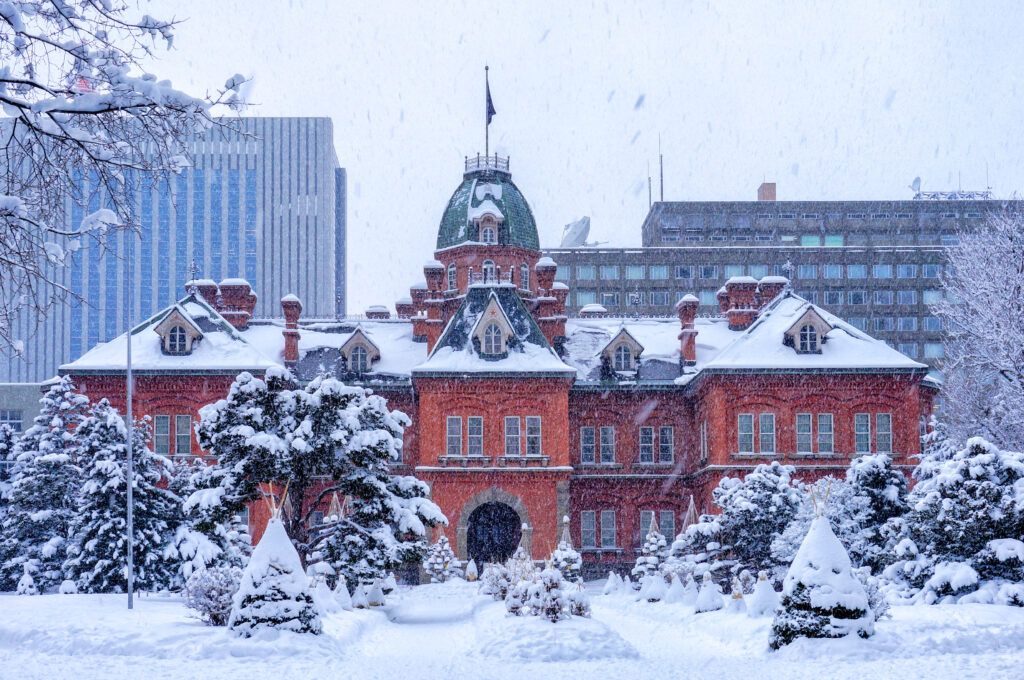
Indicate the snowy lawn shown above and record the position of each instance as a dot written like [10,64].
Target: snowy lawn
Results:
[446,631]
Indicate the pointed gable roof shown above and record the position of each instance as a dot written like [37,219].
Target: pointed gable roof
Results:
[527,350]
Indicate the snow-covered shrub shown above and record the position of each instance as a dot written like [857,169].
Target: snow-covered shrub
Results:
[655,588]
[612,585]
[877,600]
[764,600]
[68,587]
[389,584]
[375,594]
[565,558]
[736,605]
[210,592]
[709,598]
[495,581]
[26,584]
[342,596]
[821,596]
[520,566]
[472,573]
[441,563]
[653,553]
[675,592]
[273,592]
[579,602]
[515,600]
[878,493]
[846,511]
[546,596]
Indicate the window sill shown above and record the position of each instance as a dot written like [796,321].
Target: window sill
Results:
[464,461]
[522,461]
[652,466]
[599,551]
[601,466]
[754,456]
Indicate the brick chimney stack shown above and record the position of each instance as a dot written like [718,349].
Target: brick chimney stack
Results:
[686,308]
[205,287]
[741,292]
[769,288]
[766,192]
[723,300]
[292,307]
[378,312]
[237,302]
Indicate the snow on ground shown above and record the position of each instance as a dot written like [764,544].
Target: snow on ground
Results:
[447,631]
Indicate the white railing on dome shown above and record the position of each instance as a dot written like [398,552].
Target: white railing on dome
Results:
[493,162]
[476,277]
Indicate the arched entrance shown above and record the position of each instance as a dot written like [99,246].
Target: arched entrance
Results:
[493,533]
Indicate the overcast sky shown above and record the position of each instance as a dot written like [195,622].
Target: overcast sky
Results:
[848,103]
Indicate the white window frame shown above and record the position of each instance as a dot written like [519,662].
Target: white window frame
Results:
[524,276]
[704,441]
[804,433]
[666,444]
[606,445]
[646,517]
[452,277]
[745,433]
[177,340]
[453,436]
[862,432]
[182,434]
[646,444]
[162,434]
[533,436]
[488,234]
[808,340]
[490,272]
[492,339]
[667,523]
[588,445]
[622,358]
[513,445]
[588,529]
[358,359]
[766,433]
[826,433]
[608,529]
[474,435]
[883,432]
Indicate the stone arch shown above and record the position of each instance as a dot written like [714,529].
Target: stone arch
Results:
[491,495]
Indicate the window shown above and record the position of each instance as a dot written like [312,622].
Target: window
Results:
[709,271]
[883,432]
[931,297]
[488,235]
[933,350]
[622,358]
[808,341]
[807,271]
[758,271]
[667,522]
[745,429]
[703,441]
[524,276]
[803,433]
[636,298]
[862,432]
[708,298]
[177,341]
[489,272]
[588,529]
[646,444]
[931,323]
[931,271]
[512,436]
[882,271]
[609,272]
[857,297]
[162,435]
[859,322]
[832,271]
[533,439]
[646,519]
[587,446]
[357,359]
[907,323]
[883,297]
[908,348]
[586,297]
[475,435]
[906,271]
[452,281]
[949,239]
[670,235]
[12,418]
[880,216]
[585,272]
[666,444]
[684,272]
[833,297]
[633,272]
[810,240]
[833,240]
[454,438]
[492,339]
[906,297]
[561,273]
[607,444]
[658,272]
[856,271]
[825,433]
[809,295]
[884,323]
[607,528]
[182,435]
[659,297]
[733,270]
[610,299]
[766,433]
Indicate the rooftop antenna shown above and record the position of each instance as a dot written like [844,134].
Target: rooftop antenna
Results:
[649,197]
[661,170]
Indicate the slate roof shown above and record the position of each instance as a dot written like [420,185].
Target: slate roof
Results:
[519,227]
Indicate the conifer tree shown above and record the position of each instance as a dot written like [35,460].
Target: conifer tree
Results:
[565,558]
[652,553]
[43,489]
[884,489]
[441,564]
[98,555]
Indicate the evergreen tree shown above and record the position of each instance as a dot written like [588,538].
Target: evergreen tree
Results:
[837,500]
[98,555]
[8,438]
[652,554]
[565,558]
[441,564]
[43,490]
[884,490]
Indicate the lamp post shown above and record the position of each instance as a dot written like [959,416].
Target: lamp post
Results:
[130,476]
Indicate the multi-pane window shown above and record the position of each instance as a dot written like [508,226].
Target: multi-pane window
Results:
[907,323]
[862,432]
[357,359]
[931,297]
[933,350]
[931,271]
[859,322]
[182,435]
[826,435]
[733,270]
[587,445]
[833,271]
[766,432]
[512,447]
[857,297]
[585,272]
[708,271]
[833,297]
[931,323]
[882,271]
[708,298]
[758,271]
[492,339]
[475,435]
[884,323]
[745,430]
[634,271]
[177,340]
[808,340]
[561,273]
[11,418]
[610,299]
[533,438]
[524,276]
[646,444]
[810,240]
[666,444]
[658,271]
[703,440]
[667,522]
[490,271]
[907,297]
[908,348]
[683,272]
[646,519]
[622,358]
[452,281]
[454,438]
[906,271]
[834,240]
[856,271]
[659,297]
[635,298]
[586,297]
[607,528]
[588,529]
[609,272]
[883,432]
[807,271]
[803,433]
[883,297]
[162,435]
[607,444]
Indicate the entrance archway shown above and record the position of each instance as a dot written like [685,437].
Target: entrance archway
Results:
[493,533]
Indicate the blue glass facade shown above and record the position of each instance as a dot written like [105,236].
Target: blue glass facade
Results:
[163,239]
[93,290]
[234,224]
[146,251]
[216,225]
[181,263]
[250,225]
[76,283]
[199,220]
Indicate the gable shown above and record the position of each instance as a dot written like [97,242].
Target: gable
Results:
[359,339]
[811,317]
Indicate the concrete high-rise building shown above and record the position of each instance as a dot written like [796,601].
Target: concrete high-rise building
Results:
[264,200]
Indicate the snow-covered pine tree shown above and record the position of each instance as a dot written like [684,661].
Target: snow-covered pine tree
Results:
[873,478]
[495,581]
[566,558]
[821,596]
[546,596]
[8,438]
[97,557]
[43,490]
[441,564]
[652,554]
[848,512]
[26,584]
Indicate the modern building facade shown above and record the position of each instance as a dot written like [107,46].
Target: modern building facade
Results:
[264,200]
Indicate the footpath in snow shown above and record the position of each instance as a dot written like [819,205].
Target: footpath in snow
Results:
[447,631]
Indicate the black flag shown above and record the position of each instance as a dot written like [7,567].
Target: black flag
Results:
[490,104]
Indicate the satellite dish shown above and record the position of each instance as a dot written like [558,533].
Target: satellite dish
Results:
[916,185]
[575,233]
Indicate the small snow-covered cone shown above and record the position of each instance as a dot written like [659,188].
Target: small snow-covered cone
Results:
[736,604]
[26,584]
[675,592]
[690,592]
[709,598]
[359,598]
[389,584]
[611,585]
[68,587]
[626,586]
[764,600]
[324,598]
[341,595]
[471,571]
[645,582]
[375,595]
[656,588]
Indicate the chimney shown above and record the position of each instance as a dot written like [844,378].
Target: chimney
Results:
[768,289]
[766,192]
[545,269]
[378,312]
[686,308]
[742,294]
[723,300]
[292,307]
[404,308]
[434,273]
[205,287]
[237,302]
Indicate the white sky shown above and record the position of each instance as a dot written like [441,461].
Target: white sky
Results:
[848,103]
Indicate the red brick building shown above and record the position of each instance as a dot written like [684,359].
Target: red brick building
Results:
[522,416]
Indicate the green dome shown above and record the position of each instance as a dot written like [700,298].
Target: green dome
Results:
[483,191]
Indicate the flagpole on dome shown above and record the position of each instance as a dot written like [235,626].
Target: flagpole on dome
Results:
[489,108]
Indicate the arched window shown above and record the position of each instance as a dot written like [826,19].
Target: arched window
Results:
[452,284]
[622,359]
[524,276]
[177,341]
[357,360]
[492,339]
[808,339]
[489,275]
[488,234]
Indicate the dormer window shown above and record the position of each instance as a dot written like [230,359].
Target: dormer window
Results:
[452,281]
[359,353]
[808,334]
[177,341]
[489,272]
[488,234]
[524,276]
[622,353]
[357,360]
[492,339]
[808,339]
[622,358]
